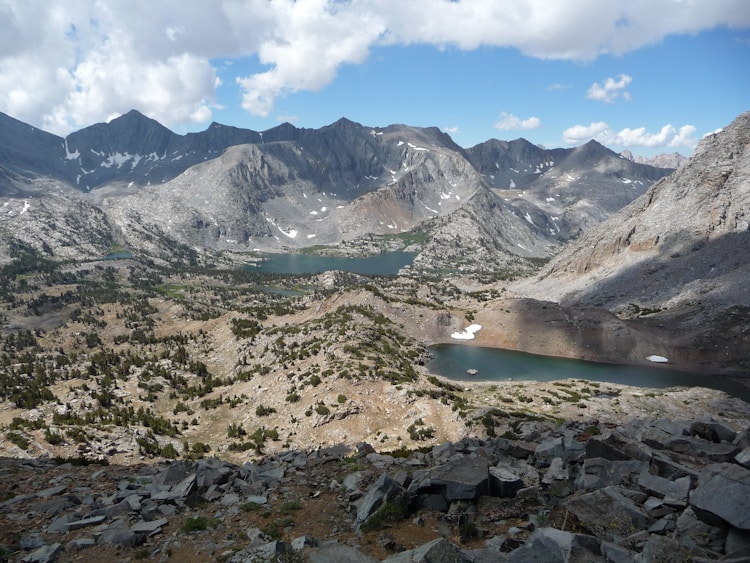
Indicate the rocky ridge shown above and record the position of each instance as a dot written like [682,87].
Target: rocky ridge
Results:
[644,490]
[670,257]
[237,191]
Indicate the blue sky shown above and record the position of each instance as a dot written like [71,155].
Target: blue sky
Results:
[649,76]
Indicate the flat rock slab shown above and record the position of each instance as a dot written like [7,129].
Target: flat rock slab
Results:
[725,494]
[608,513]
[463,479]
[144,527]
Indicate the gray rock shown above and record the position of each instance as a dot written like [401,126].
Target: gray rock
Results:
[713,431]
[504,482]
[550,448]
[59,525]
[149,528]
[436,551]
[743,458]
[120,536]
[596,448]
[52,491]
[44,554]
[335,552]
[181,490]
[737,543]
[598,473]
[462,479]
[723,493]
[665,549]
[692,532]
[696,447]
[383,490]
[672,491]
[78,544]
[556,546]
[83,522]
[608,513]
[557,471]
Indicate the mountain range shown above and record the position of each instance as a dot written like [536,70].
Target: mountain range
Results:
[134,182]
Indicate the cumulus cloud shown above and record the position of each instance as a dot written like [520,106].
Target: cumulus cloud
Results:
[668,136]
[610,90]
[65,65]
[510,122]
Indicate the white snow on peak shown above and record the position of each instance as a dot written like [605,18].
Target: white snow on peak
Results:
[627,181]
[657,359]
[467,333]
[26,207]
[313,212]
[304,195]
[550,199]
[399,143]
[70,155]
[311,235]
[323,209]
[528,218]
[291,233]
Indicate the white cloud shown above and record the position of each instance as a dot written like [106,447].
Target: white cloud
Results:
[510,122]
[452,130]
[668,136]
[610,90]
[67,64]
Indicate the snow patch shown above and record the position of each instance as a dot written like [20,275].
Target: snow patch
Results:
[71,155]
[657,359]
[550,199]
[467,333]
[528,218]
[26,207]
[311,236]
[416,148]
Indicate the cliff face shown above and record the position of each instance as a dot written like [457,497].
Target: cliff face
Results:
[676,252]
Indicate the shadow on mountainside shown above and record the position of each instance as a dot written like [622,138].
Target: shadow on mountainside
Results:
[696,289]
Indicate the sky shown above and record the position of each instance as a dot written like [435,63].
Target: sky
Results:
[649,76]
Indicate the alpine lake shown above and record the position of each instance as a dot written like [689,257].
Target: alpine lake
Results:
[454,361]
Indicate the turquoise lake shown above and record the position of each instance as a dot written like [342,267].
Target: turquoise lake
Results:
[492,364]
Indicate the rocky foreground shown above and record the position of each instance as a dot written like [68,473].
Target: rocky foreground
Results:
[645,490]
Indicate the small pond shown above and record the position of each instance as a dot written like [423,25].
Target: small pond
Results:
[386,264]
[493,364]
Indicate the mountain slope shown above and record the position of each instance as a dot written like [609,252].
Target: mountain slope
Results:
[678,252]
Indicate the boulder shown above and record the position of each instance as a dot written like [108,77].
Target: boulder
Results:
[699,448]
[723,493]
[599,472]
[436,551]
[334,552]
[383,490]
[504,482]
[556,546]
[713,431]
[608,513]
[465,478]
